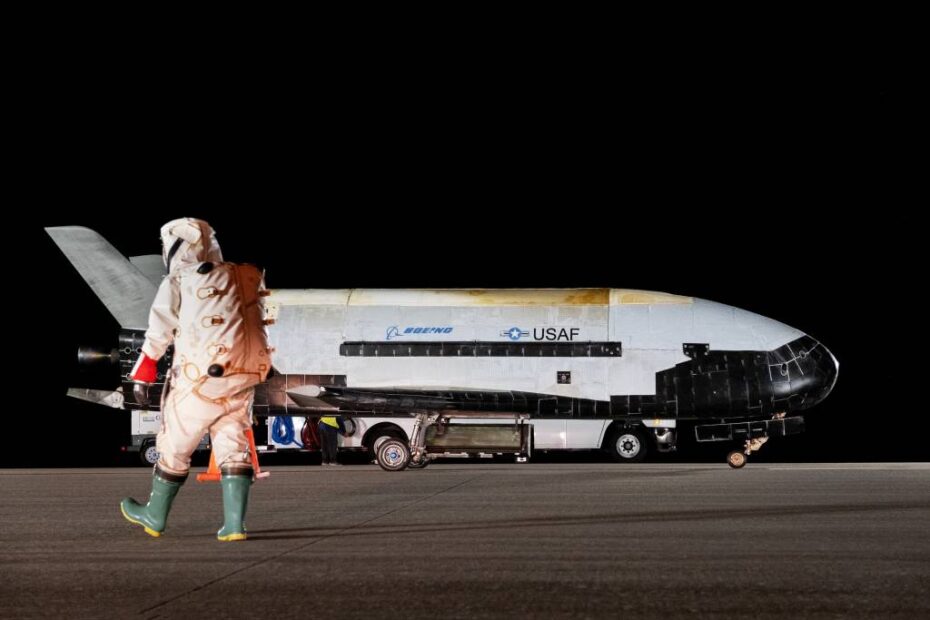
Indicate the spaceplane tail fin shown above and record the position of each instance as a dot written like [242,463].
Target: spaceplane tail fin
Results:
[125,290]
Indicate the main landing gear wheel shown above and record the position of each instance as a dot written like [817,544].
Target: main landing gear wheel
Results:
[393,455]
[736,459]
[422,464]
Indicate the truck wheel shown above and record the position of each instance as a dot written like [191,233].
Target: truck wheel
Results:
[627,445]
[381,438]
[393,455]
[148,454]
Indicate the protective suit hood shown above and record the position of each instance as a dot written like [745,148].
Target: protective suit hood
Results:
[188,241]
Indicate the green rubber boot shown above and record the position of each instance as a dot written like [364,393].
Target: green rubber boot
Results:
[153,516]
[235,502]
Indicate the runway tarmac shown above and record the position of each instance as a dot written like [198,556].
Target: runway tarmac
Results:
[479,541]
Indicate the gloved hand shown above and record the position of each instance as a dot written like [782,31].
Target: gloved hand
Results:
[143,375]
[140,392]
[145,370]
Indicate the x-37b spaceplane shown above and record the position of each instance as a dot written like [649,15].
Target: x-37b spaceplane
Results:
[429,372]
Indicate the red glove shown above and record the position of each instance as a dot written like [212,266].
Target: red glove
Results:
[145,370]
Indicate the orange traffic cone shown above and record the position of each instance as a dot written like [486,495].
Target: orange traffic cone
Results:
[213,472]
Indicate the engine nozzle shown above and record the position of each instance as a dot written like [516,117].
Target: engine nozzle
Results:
[97,356]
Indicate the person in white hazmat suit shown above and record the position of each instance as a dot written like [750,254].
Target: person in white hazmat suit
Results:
[212,312]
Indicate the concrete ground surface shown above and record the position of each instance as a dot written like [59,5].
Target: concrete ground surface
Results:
[479,541]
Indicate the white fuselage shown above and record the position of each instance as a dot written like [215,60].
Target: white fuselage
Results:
[310,325]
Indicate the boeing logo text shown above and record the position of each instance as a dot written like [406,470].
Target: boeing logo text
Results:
[396,332]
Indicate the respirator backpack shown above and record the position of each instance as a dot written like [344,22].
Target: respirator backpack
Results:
[222,341]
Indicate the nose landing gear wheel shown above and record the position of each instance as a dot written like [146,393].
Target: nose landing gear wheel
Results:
[736,459]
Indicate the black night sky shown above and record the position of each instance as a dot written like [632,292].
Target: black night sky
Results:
[783,195]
